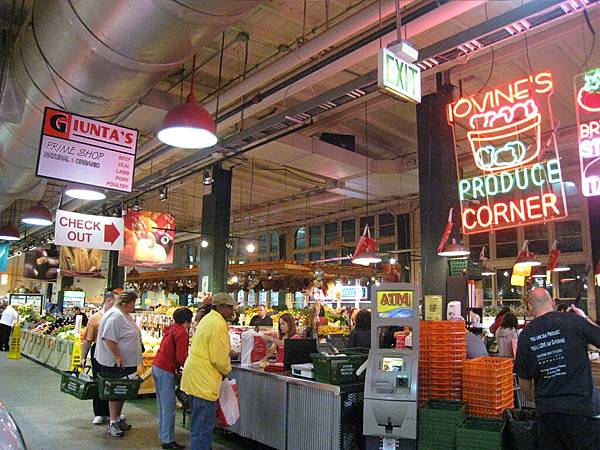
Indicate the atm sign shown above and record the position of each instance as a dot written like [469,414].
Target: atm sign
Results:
[395,304]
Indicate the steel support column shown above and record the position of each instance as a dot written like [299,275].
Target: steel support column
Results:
[116,273]
[437,186]
[215,230]
[594,216]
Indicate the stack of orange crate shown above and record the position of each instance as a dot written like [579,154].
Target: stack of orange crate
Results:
[443,350]
[488,386]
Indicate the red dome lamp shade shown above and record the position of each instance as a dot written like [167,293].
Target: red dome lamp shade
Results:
[37,215]
[189,125]
[8,232]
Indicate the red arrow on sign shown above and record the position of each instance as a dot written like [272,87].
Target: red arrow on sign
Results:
[111,233]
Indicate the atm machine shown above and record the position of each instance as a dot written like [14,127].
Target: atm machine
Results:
[391,384]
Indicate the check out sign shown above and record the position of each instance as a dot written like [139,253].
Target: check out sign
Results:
[85,230]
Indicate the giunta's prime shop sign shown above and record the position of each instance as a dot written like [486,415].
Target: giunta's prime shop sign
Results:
[87,151]
[504,141]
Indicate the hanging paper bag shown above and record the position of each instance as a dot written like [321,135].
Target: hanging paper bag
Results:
[228,406]
[365,243]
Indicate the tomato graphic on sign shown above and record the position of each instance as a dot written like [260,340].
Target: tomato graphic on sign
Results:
[149,239]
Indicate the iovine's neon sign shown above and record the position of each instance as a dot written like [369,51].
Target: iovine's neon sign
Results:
[508,131]
[587,94]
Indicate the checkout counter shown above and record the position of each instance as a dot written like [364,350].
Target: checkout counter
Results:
[289,413]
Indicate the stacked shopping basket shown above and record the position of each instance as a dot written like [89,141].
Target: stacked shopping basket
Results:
[438,421]
[443,350]
[488,386]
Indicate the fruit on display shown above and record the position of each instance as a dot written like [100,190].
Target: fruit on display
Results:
[151,343]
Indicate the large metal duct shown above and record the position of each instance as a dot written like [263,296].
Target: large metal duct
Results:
[96,59]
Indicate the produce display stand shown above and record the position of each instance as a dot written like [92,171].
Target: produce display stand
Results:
[147,386]
[48,350]
[290,413]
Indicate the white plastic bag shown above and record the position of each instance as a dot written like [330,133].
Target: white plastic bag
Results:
[228,410]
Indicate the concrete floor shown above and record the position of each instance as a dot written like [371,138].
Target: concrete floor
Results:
[51,420]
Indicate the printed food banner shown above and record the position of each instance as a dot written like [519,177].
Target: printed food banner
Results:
[80,262]
[4,248]
[42,263]
[149,238]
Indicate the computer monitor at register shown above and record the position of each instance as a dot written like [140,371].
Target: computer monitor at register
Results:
[297,351]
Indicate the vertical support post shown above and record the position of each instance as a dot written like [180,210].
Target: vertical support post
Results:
[594,216]
[215,230]
[437,186]
[116,273]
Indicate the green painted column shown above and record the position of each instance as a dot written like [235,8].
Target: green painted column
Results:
[116,273]
[215,230]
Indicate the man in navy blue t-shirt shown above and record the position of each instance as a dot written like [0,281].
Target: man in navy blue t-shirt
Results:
[552,359]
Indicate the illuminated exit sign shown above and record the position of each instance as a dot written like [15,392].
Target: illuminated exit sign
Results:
[504,143]
[398,77]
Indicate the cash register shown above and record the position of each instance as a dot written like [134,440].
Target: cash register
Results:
[391,384]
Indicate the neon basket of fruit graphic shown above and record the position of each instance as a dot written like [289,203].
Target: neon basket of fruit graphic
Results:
[507,138]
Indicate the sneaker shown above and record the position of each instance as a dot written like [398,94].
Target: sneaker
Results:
[172,445]
[123,426]
[122,417]
[98,420]
[114,430]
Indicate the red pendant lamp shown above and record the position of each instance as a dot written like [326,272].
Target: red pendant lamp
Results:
[38,214]
[8,232]
[189,125]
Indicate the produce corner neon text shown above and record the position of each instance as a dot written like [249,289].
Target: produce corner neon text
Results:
[504,128]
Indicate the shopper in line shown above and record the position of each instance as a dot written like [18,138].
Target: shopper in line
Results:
[361,334]
[169,359]
[261,319]
[78,312]
[506,335]
[207,364]
[286,330]
[475,344]
[10,317]
[101,412]
[552,360]
[119,352]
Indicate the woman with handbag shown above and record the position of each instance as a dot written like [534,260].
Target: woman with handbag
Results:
[166,367]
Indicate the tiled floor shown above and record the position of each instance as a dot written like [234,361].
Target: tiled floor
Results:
[51,420]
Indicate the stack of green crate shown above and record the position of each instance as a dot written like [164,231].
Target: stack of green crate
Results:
[437,423]
[476,433]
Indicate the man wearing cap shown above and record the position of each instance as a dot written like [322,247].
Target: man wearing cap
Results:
[206,366]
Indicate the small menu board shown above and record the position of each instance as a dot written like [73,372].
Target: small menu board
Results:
[35,300]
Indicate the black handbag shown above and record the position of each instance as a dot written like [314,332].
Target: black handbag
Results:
[180,395]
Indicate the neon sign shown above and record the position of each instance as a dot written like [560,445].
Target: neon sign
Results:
[587,95]
[507,130]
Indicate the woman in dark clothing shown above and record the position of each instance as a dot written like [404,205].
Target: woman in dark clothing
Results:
[361,335]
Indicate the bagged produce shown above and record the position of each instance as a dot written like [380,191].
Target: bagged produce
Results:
[228,407]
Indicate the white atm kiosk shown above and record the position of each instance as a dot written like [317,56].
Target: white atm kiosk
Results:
[391,384]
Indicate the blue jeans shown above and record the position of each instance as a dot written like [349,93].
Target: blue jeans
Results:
[204,418]
[165,396]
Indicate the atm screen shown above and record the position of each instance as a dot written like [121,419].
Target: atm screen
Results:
[392,364]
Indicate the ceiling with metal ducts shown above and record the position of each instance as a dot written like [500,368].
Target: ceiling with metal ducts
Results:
[94,61]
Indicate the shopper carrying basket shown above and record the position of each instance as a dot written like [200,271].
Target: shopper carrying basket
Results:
[168,362]
[118,353]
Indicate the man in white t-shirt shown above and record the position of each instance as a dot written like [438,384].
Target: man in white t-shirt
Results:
[9,319]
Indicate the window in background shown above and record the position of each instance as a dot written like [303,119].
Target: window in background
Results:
[329,254]
[505,290]
[348,230]
[370,220]
[315,235]
[263,243]
[539,279]
[314,256]
[299,257]
[274,246]
[573,284]
[568,235]
[506,243]
[476,241]
[387,225]
[300,238]
[537,235]
[251,298]
[331,232]
[346,252]
[387,247]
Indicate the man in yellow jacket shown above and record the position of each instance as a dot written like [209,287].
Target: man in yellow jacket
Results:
[206,366]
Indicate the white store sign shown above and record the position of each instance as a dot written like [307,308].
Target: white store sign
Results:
[85,230]
[87,151]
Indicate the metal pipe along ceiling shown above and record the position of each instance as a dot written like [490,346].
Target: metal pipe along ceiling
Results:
[96,61]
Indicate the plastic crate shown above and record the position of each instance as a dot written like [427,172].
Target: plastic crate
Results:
[337,369]
[82,388]
[110,388]
[483,434]
[441,409]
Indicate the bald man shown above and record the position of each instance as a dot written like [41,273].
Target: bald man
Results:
[552,360]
